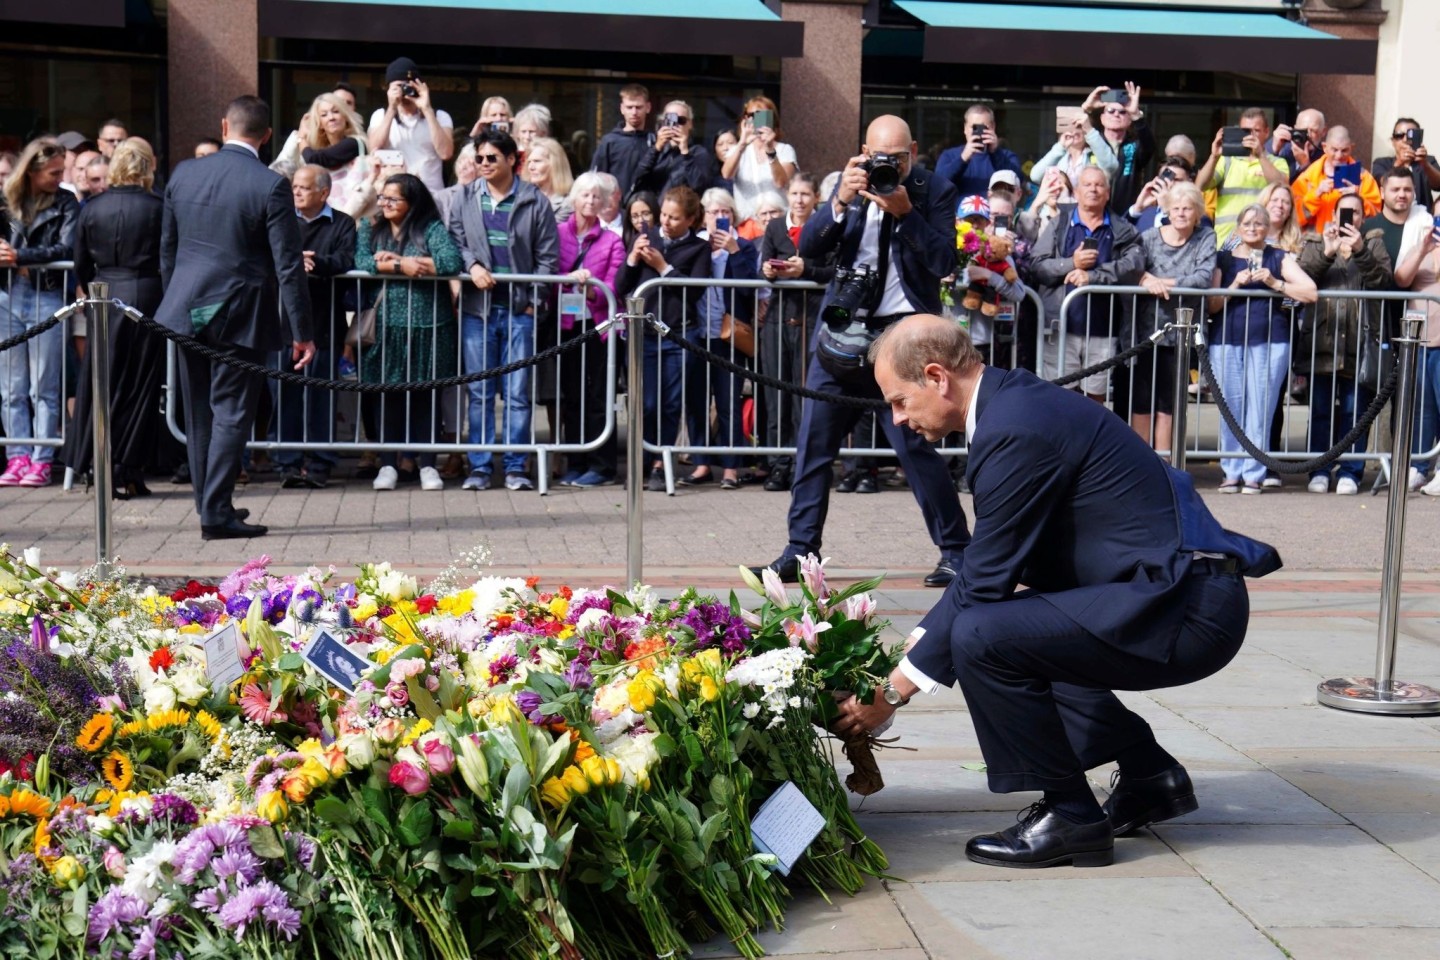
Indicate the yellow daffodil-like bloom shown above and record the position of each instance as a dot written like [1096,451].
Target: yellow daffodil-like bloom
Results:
[504,712]
[364,611]
[272,806]
[575,782]
[403,630]
[566,632]
[383,655]
[554,792]
[25,802]
[67,870]
[118,770]
[416,732]
[131,729]
[559,607]
[96,732]
[709,689]
[642,691]
[208,725]
[166,719]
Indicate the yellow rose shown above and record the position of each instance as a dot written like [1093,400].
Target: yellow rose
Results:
[67,870]
[642,690]
[594,769]
[504,712]
[554,792]
[314,772]
[709,690]
[295,787]
[559,607]
[272,806]
[575,781]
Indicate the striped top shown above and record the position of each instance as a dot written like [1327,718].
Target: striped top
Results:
[497,229]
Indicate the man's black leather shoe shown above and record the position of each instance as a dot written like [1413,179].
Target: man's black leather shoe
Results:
[1136,802]
[778,480]
[236,529]
[867,484]
[1043,838]
[240,513]
[941,576]
[788,567]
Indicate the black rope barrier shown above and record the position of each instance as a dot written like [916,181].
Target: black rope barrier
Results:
[358,386]
[48,323]
[1296,467]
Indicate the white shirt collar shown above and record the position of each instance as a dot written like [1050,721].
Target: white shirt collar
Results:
[970,413]
[242,143]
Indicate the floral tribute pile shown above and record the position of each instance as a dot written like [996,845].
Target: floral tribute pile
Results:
[520,773]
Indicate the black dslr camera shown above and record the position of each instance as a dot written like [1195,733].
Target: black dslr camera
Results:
[409,89]
[854,290]
[883,169]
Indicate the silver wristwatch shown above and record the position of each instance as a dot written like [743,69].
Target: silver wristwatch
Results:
[892,696]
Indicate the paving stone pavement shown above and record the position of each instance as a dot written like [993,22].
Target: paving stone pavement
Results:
[1318,834]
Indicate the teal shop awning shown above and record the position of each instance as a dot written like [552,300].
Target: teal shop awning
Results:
[74,13]
[738,27]
[1139,38]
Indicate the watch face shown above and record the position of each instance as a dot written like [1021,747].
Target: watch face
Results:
[891,695]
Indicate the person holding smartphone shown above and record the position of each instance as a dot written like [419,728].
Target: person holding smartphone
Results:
[760,161]
[676,157]
[970,165]
[1318,190]
[1128,137]
[1079,146]
[1341,257]
[1233,182]
[1411,152]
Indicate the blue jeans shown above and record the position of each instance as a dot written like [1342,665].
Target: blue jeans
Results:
[1251,380]
[1335,404]
[31,400]
[1427,407]
[489,342]
[663,378]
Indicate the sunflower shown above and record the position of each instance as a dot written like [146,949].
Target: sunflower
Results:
[131,729]
[207,723]
[96,732]
[166,719]
[118,770]
[42,843]
[29,803]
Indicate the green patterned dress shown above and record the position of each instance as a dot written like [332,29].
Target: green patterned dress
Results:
[415,322]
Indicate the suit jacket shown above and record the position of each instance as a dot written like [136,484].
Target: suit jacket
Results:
[690,256]
[923,245]
[534,242]
[1071,502]
[230,253]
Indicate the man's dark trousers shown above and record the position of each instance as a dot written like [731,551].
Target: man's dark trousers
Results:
[823,427]
[1038,684]
[220,410]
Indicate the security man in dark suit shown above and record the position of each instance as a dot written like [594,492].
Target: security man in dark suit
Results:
[1133,585]
[230,257]
[907,238]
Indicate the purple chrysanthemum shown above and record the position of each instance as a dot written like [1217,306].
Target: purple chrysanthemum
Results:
[715,626]
[114,911]
[172,809]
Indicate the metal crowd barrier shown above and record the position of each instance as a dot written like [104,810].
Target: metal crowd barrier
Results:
[582,391]
[38,377]
[706,413]
[1309,370]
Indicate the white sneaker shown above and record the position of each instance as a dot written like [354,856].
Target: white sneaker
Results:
[386,479]
[430,479]
[1346,487]
[1432,489]
[1319,485]
[1272,483]
[1417,479]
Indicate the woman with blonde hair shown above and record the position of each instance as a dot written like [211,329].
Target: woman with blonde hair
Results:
[117,240]
[1284,231]
[759,163]
[37,226]
[547,167]
[332,136]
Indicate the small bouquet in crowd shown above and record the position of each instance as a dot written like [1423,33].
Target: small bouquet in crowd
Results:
[472,768]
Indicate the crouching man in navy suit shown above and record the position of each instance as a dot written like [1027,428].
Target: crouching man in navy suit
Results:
[1132,585]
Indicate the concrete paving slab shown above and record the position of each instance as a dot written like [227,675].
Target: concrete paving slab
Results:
[1354,782]
[1252,677]
[1414,836]
[1267,727]
[1114,918]
[1253,796]
[1308,876]
[1340,943]
[870,921]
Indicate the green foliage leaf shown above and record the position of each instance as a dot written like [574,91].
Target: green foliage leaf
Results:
[266,842]
[415,824]
[332,809]
[291,662]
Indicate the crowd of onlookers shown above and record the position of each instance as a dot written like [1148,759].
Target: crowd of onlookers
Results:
[1275,215]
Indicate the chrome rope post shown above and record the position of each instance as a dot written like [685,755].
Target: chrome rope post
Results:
[100,466]
[635,319]
[1382,693]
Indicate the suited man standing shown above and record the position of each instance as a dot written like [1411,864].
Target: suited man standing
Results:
[1132,583]
[230,257]
[906,239]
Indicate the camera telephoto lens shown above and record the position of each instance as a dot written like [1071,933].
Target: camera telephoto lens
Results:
[884,174]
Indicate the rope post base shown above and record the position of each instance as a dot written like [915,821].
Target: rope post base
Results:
[1382,693]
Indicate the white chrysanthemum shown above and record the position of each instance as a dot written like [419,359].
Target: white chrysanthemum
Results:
[494,594]
[146,872]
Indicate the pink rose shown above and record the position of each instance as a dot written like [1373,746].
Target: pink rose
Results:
[438,757]
[114,862]
[397,693]
[389,730]
[410,777]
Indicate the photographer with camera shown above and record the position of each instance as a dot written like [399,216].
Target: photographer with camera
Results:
[1299,144]
[411,124]
[1410,151]
[1235,173]
[970,166]
[894,229]
[675,159]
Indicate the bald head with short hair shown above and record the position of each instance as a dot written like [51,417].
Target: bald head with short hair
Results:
[888,134]
[927,369]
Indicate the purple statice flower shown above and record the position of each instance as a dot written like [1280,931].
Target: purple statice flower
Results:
[715,626]
[501,669]
[172,809]
[262,902]
[577,675]
[114,911]
[529,703]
